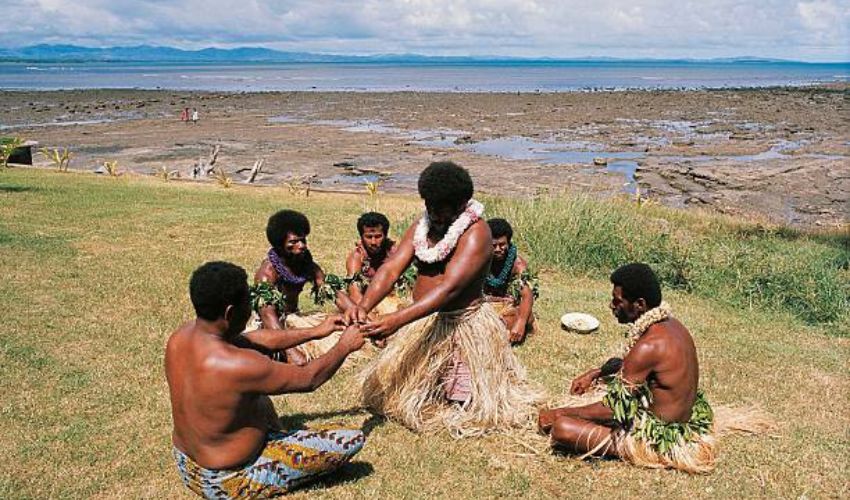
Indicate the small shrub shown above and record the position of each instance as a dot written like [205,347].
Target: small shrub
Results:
[8,145]
[222,178]
[111,168]
[60,159]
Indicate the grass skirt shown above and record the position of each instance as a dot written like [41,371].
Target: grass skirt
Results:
[694,457]
[407,380]
[697,456]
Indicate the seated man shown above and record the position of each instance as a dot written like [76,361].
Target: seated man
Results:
[653,413]
[288,266]
[369,253]
[227,438]
[509,285]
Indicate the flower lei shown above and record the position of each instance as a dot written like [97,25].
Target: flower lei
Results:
[647,319]
[283,272]
[473,212]
[501,280]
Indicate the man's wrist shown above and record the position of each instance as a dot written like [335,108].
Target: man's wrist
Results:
[610,367]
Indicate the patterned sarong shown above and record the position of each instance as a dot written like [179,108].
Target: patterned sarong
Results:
[288,460]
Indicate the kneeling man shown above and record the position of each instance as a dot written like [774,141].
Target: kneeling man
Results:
[652,413]
[227,438]
[509,286]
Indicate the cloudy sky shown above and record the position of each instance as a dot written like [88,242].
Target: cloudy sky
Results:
[813,30]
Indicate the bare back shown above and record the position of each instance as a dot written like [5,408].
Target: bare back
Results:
[214,422]
[666,358]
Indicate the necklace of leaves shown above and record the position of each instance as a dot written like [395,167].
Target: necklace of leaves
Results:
[283,273]
[502,279]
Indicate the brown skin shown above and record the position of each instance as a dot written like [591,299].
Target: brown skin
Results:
[219,392]
[293,246]
[454,286]
[516,327]
[665,357]
[372,240]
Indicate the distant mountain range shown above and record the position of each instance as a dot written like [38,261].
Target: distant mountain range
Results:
[147,53]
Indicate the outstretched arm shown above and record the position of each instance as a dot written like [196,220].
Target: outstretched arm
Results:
[259,374]
[277,340]
[342,301]
[471,257]
[385,278]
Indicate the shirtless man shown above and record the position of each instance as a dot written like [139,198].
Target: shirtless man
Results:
[507,266]
[662,362]
[370,252]
[451,247]
[289,266]
[227,438]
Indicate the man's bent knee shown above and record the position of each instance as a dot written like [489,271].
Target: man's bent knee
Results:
[566,430]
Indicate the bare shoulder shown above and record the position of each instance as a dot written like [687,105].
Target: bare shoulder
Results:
[477,235]
[520,265]
[177,338]
[407,238]
[354,260]
[666,331]
[232,362]
[356,252]
[265,272]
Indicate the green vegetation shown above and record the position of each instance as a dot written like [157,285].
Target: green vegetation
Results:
[95,277]
[8,145]
[61,159]
[743,265]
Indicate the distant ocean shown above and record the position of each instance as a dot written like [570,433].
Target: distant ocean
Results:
[523,76]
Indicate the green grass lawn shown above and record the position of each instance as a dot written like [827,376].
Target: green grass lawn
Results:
[95,275]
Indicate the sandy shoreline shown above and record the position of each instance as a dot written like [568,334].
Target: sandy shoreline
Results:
[776,154]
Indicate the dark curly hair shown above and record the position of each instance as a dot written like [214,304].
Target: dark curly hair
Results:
[283,222]
[638,281]
[373,219]
[500,227]
[445,183]
[216,285]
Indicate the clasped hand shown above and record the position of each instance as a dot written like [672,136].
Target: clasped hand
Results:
[377,328]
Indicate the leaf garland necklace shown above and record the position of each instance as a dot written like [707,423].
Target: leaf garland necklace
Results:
[471,214]
[642,324]
[499,282]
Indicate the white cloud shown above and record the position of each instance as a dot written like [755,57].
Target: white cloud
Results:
[814,30]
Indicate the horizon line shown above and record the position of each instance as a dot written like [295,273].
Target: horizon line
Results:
[413,55]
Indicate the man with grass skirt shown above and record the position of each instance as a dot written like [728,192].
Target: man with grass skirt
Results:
[227,439]
[652,413]
[450,364]
[510,286]
[287,267]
